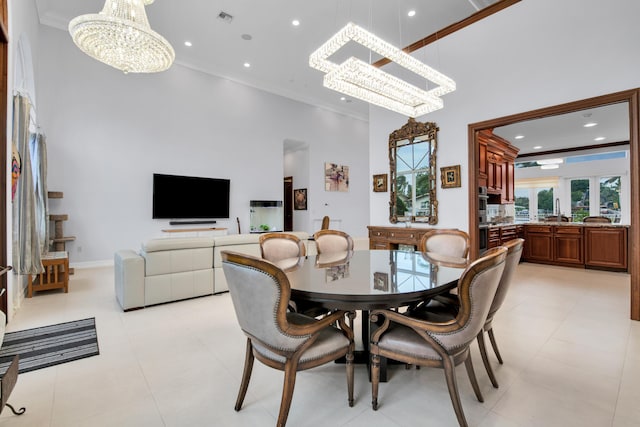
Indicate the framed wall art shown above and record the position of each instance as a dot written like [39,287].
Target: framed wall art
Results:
[380,183]
[336,177]
[300,199]
[450,176]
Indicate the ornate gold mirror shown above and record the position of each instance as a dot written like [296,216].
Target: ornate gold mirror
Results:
[412,159]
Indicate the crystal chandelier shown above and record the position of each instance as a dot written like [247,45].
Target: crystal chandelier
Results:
[120,36]
[361,80]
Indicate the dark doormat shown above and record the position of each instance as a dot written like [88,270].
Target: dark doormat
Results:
[50,345]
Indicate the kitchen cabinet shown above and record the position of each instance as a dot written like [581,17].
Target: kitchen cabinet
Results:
[567,245]
[590,246]
[538,243]
[496,167]
[482,163]
[606,247]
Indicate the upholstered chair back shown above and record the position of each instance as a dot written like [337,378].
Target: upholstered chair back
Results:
[278,246]
[477,288]
[601,219]
[260,293]
[332,241]
[448,243]
[514,251]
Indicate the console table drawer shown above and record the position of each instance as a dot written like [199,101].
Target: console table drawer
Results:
[377,233]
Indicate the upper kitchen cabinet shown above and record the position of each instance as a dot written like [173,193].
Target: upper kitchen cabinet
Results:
[496,167]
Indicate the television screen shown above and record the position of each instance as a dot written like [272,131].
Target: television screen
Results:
[183,197]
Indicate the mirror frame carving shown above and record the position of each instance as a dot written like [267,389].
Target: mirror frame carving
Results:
[409,132]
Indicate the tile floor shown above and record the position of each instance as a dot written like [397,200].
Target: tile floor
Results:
[572,358]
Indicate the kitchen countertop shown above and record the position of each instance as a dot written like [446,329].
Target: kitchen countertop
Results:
[570,224]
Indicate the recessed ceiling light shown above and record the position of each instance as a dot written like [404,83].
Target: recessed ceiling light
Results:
[295,22]
[590,124]
[600,138]
[519,136]
[246,37]
[537,147]
[188,43]
[550,161]
[411,13]
[549,166]
[247,65]
[343,98]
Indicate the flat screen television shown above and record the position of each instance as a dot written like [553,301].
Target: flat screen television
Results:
[189,197]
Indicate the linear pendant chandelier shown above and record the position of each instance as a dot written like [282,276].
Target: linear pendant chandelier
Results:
[361,80]
[120,36]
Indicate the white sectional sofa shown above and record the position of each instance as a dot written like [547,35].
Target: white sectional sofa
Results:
[172,269]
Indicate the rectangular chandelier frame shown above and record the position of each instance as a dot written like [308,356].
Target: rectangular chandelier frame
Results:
[358,79]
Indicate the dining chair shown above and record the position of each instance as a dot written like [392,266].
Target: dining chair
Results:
[280,339]
[325,223]
[445,243]
[332,241]
[600,219]
[279,246]
[441,344]
[514,252]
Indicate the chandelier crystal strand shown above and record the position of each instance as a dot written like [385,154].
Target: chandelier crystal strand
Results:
[120,36]
[356,78]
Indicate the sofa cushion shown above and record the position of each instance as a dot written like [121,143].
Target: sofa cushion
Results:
[237,239]
[177,261]
[171,243]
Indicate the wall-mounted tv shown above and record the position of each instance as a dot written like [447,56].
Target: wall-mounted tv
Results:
[186,197]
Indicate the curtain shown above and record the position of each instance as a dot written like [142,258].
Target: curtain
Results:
[26,244]
[39,170]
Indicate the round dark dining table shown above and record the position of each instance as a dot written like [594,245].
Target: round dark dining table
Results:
[369,279]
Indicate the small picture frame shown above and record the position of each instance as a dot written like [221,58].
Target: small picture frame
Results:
[450,176]
[381,281]
[300,199]
[380,183]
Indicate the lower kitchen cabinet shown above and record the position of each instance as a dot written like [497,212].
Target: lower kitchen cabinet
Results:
[577,246]
[606,247]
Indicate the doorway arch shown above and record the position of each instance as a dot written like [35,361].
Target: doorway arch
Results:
[629,96]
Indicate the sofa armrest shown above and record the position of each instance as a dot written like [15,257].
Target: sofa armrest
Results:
[129,279]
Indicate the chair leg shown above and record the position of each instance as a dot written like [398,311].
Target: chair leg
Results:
[452,385]
[472,377]
[246,375]
[350,369]
[375,379]
[485,359]
[494,345]
[290,371]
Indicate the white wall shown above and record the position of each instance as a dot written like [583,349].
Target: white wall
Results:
[531,55]
[107,134]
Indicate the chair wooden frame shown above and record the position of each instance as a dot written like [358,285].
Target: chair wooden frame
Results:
[310,330]
[317,236]
[325,223]
[302,250]
[448,360]
[514,252]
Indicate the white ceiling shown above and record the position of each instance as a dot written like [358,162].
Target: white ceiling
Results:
[278,52]
[568,131]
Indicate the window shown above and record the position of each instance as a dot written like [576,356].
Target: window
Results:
[579,199]
[610,197]
[545,203]
[522,204]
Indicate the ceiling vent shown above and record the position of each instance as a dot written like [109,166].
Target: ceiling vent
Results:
[225,17]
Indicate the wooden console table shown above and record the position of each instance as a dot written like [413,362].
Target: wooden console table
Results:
[391,237]
[54,276]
